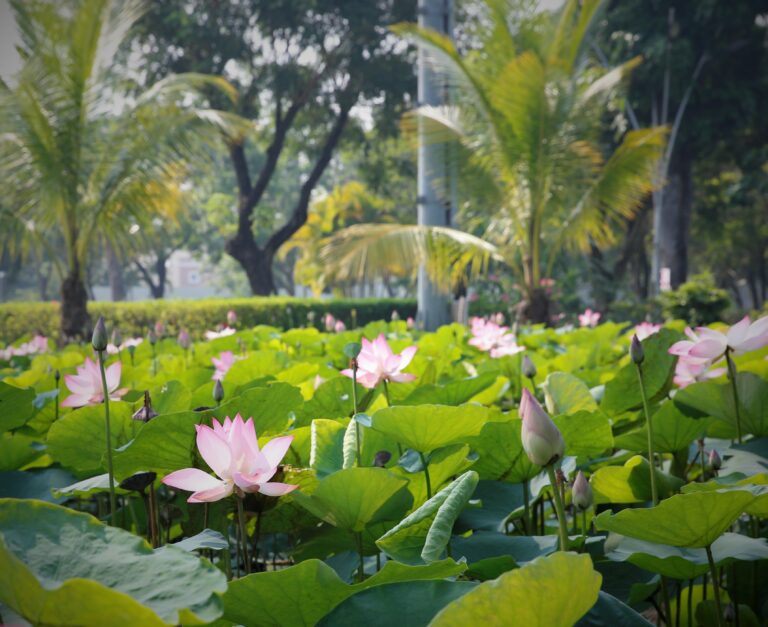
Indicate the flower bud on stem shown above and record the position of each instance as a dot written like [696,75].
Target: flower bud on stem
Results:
[105,391]
[649,426]
[559,509]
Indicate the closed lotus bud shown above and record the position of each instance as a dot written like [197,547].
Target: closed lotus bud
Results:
[152,337]
[184,339]
[395,316]
[329,321]
[340,327]
[100,338]
[542,440]
[131,349]
[382,458]
[218,391]
[117,337]
[636,351]
[582,492]
[231,317]
[57,376]
[714,460]
[529,370]
[410,322]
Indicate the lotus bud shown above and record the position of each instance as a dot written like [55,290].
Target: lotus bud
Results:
[57,376]
[542,440]
[636,351]
[159,328]
[340,327]
[117,337]
[329,321]
[382,458]
[100,338]
[183,339]
[582,492]
[231,317]
[410,322]
[151,337]
[131,350]
[395,316]
[218,391]
[529,370]
[714,460]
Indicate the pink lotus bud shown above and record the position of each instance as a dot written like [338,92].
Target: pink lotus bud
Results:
[339,327]
[542,440]
[636,351]
[410,322]
[582,492]
[231,318]
[329,321]
[184,339]
[529,370]
[159,328]
[100,337]
[714,460]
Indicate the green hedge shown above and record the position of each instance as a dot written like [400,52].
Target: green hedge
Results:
[134,318]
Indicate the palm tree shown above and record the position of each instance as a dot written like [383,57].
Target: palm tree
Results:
[529,119]
[79,160]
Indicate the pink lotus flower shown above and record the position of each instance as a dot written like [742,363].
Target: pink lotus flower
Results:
[646,329]
[589,318]
[184,339]
[38,344]
[329,321]
[215,335]
[222,363]
[410,322]
[86,384]
[231,318]
[711,345]
[542,440]
[376,363]
[132,341]
[692,370]
[490,337]
[159,328]
[232,451]
[339,327]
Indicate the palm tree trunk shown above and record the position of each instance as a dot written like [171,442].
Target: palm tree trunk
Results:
[75,321]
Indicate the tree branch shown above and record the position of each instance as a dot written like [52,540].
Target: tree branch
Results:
[146,276]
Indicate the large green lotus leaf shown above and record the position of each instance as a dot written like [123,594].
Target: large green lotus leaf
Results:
[672,431]
[60,567]
[429,427]
[170,397]
[609,612]
[77,439]
[355,497]
[256,364]
[586,434]
[304,593]
[554,590]
[333,399]
[692,520]
[567,394]
[410,604]
[758,507]
[490,506]
[631,483]
[326,454]
[16,406]
[687,563]
[753,399]
[37,483]
[17,450]
[270,407]
[482,545]
[622,393]
[424,534]
[452,393]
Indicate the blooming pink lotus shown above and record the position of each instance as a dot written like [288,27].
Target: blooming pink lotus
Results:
[232,451]
[410,323]
[692,370]
[339,327]
[231,318]
[646,329]
[711,345]
[222,363]
[489,336]
[329,321]
[38,344]
[589,318]
[131,341]
[86,385]
[542,440]
[214,335]
[376,363]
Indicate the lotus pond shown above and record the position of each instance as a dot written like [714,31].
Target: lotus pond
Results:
[385,476]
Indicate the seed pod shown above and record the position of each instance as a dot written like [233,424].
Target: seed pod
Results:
[145,413]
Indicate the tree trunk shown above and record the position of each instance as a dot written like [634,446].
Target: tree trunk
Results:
[75,321]
[535,309]
[158,290]
[675,217]
[116,276]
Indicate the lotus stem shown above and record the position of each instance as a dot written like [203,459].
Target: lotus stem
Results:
[649,423]
[584,525]
[354,408]
[526,505]
[425,463]
[243,535]
[361,563]
[702,461]
[732,377]
[559,510]
[386,393]
[715,585]
[105,391]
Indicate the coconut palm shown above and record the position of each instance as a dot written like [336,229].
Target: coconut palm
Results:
[79,160]
[528,112]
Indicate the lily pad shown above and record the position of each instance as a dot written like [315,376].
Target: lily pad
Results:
[631,483]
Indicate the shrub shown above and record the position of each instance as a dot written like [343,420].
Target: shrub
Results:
[699,301]
[134,318]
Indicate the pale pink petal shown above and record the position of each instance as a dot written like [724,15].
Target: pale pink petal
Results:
[112,375]
[738,332]
[392,363]
[347,372]
[753,343]
[78,385]
[214,450]
[76,400]
[276,448]
[407,356]
[251,482]
[191,480]
[681,348]
[214,494]
[276,489]
[709,349]
[368,379]
[759,327]
[402,377]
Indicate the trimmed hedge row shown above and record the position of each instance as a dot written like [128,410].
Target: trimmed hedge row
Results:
[134,318]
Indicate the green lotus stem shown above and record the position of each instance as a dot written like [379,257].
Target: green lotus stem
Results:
[354,408]
[386,393]
[665,599]
[715,585]
[732,377]
[426,475]
[559,509]
[105,391]
[584,525]
[649,423]
[154,360]
[526,505]
[703,462]
[361,563]
[243,536]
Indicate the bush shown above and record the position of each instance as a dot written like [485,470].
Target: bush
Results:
[134,318]
[699,301]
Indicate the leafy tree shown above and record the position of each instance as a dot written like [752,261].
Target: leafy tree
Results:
[300,68]
[76,158]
